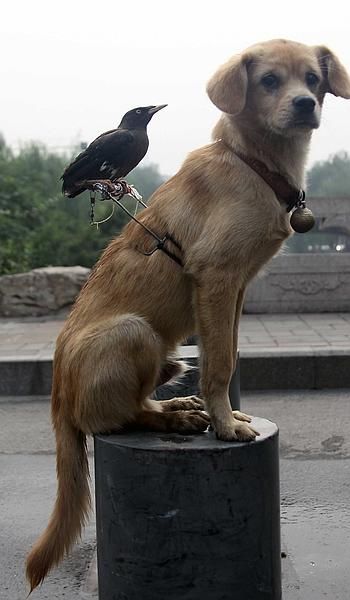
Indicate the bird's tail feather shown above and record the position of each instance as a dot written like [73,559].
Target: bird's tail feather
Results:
[72,190]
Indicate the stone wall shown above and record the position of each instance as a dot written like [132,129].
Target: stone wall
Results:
[307,282]
[302,283]
[291,283]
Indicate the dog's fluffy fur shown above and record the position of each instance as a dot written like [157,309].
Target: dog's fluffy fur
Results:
[119,339]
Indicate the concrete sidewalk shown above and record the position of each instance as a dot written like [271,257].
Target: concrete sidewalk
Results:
[259,335]
[315,507]
[295,351]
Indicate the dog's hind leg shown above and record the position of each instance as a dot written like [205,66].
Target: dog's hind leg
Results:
[116,365]
[155,418]
[185,403]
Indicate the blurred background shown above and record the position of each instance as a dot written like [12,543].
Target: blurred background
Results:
[71,69]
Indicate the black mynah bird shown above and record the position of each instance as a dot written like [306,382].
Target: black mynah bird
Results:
[112,154]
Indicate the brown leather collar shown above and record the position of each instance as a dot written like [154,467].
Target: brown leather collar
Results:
[285,192]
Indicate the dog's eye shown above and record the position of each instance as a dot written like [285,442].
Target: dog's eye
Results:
[270,81]
[312,79]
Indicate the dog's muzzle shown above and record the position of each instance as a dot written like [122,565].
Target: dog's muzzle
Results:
[304,105]
[304,112]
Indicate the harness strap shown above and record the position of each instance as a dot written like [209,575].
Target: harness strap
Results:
[161,246]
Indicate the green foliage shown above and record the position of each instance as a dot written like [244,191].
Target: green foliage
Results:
[38,226]
[330,177]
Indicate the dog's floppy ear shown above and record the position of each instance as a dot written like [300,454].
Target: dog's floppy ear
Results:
[335,75]
[227,88]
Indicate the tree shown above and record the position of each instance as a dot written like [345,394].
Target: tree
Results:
[27,181]
[328,178]
[38,226]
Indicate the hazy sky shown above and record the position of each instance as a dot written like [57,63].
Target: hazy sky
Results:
[71,68]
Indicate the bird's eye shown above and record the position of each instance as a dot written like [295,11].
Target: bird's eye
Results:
[312,79]
[270,81]
[138,111]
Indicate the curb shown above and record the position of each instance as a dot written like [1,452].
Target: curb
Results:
[31,377]
[270,371]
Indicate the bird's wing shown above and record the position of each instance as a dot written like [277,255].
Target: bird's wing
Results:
[106,133]
[111,144]
[118,138]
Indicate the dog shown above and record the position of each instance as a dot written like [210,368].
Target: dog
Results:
[220,221]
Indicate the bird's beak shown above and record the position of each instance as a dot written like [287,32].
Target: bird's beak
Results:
[154,109]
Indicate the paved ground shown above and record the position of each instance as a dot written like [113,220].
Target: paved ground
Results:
[315,495]
[259,334]
[315,467]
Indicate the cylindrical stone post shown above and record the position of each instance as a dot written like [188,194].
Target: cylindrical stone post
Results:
[188,517]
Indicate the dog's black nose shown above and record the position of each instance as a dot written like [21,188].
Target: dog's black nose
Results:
[304,104]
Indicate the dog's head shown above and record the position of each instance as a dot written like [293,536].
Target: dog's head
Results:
[279,85]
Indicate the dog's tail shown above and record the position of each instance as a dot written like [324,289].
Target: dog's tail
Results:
[71,507]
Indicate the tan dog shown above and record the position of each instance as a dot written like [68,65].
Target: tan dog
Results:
[118,343]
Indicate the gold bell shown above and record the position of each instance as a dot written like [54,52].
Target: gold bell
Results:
[302,220]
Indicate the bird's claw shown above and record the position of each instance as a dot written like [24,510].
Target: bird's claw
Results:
[108,188]
[101,188]
[117,189]
[124,188]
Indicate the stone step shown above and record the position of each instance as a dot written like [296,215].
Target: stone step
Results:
[260,370]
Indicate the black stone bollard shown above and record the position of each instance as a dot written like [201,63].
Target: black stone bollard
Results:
[188,517]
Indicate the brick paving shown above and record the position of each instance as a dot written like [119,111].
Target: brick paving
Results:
[326,333]
[260,335]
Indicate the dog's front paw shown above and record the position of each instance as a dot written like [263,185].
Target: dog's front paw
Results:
[186,403]
[190,403]
[236,431]
[241,416]
[189,421]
